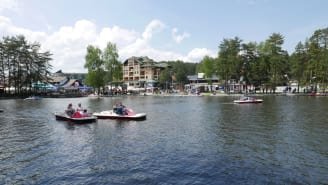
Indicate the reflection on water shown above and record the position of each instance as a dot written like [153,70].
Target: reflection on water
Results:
[184,140]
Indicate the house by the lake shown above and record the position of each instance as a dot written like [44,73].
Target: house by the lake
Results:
[140,73]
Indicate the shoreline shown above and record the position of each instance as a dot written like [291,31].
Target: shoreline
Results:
[179,95]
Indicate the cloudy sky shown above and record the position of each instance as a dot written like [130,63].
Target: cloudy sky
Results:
[160,29]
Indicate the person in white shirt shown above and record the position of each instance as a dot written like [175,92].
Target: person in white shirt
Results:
[79,108]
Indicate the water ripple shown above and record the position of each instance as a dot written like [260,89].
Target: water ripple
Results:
[185,140]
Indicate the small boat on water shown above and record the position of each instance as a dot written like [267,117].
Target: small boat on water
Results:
[82,119]
[111,114]
[247,99]
[33,98]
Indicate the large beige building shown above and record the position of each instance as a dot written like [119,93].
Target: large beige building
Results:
[141,72]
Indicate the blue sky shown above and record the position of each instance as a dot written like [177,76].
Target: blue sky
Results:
[161,29]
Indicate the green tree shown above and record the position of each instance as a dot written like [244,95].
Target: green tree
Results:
[299,62]
[263,66]
[208,67]
[22,64]
[95,65]
[177,72]
[113,66]
[191,68]
[180,73]
[250,68]
[229,60]
[165,78]
[277,58]
[318,61]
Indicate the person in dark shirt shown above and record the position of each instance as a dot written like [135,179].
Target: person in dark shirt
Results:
[70,111]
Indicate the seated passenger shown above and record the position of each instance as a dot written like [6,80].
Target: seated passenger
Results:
[85,113]
[115,107]
[120,109]
[79,108]
[70,111]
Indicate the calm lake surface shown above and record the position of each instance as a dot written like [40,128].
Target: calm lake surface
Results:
[185,140]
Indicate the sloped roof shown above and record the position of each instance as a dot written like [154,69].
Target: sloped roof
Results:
[140,60]
[69,83]
[162,64]
[55,79]
[147,62]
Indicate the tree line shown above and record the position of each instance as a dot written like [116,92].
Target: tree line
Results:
[105,68]
[267,64]
[264,65]
[21,65]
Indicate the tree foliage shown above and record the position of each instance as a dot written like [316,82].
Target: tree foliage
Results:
[229,60]
[299,61]
[207,66]
[112,64]
[165,77]
[318,58]
[103,66]
[95,65]
[22,64]
[177,72]
[277,58]
[268,65]
[250,64]
[265,64]
[180,72]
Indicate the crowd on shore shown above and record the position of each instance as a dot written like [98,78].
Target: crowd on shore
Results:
[181,93]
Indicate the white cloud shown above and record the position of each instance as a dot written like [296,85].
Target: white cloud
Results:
[142,48]
[178,38]
[153,27]
[197,54]
[7,28]
[11,5]
[4,21]
[120,36]
[68,43]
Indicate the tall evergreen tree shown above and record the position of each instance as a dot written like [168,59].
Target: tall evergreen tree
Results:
[229,60]
[318,61]
[22,64]
[277,58]
[250,70]
[299,62]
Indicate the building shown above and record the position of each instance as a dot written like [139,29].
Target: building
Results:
[69,82]
[199,83]
[141,72]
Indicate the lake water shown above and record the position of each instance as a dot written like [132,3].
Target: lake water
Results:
[184,140]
